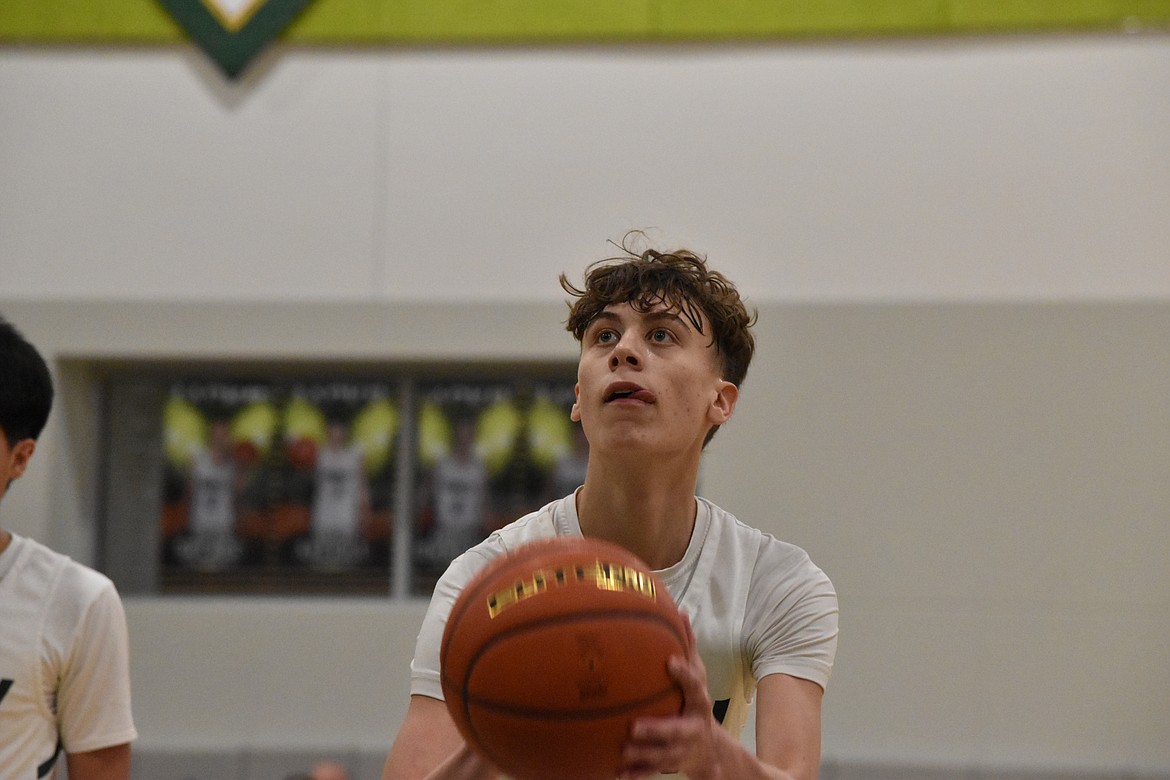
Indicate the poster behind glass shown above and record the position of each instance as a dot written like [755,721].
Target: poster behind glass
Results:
[278,487]
[488,452]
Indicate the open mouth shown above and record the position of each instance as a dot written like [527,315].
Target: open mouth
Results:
[625,391]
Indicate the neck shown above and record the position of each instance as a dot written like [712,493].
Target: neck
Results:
[647,509]
[5,540]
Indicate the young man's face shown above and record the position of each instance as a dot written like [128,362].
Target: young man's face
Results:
[649,381]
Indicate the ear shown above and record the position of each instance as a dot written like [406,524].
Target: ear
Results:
[575,412]
[723,403]
[19,457]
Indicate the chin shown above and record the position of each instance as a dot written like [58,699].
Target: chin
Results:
[627,444]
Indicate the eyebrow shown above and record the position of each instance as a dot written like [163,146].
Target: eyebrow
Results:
[671,316]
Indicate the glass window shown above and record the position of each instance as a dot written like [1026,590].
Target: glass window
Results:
[241,482]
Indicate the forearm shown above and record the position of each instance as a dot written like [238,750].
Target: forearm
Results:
[732,761]
[429,747]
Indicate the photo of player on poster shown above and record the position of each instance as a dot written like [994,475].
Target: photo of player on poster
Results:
[282,486]
[486,451]
[217,438]
[337,474]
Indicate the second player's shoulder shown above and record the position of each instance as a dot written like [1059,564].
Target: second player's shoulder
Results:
[40,567]
[85,583]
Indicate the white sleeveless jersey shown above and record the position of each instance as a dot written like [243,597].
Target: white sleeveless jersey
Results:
[460,490]
[759,606]
[212,495]
[337,498]
[64,662]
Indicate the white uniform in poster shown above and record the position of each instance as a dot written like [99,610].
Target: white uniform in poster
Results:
[339,495]
[339,490]
[212,495]
[210,542]
[460,495]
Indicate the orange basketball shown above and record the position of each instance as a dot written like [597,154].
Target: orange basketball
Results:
[551,652]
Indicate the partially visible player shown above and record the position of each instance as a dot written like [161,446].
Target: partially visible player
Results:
[340,494]
[341,501]
[459,489]
[665,345]
[64,662]
[210,542]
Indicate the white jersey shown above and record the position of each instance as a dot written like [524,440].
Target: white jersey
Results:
[212,495]
[758,605]
[64,661]
[460,490]
[337,499]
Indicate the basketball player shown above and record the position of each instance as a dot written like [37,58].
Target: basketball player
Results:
[64,668]
[340,494]
[460,487]
[210,543]
[340,500]
[665,345]
[213,485]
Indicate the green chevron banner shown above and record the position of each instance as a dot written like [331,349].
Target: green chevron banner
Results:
[236,33]
[232,32]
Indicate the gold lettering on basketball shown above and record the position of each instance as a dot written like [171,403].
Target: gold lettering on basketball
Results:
[523,589]
[606,576]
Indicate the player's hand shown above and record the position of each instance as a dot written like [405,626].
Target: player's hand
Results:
[686,743]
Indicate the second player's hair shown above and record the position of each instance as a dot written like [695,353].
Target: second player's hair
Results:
[26,387]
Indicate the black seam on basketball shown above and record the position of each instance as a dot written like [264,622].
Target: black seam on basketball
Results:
[577,618]
[468,700]
[563,619]
[598,712]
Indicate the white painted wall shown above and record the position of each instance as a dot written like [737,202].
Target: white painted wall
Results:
[961,405]
[1016,167]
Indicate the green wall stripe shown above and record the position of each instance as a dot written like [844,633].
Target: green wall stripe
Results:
[545,21]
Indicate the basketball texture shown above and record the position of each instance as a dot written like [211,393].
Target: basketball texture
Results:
[552,651]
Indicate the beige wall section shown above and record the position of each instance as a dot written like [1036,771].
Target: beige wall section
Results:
[985,483]
[1016,167]
[292,674]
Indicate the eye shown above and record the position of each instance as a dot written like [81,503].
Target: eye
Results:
[606,336]
[661,336]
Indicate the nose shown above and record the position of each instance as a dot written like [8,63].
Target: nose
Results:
[625,353]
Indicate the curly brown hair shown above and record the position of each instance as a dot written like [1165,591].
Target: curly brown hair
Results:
[681,280]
